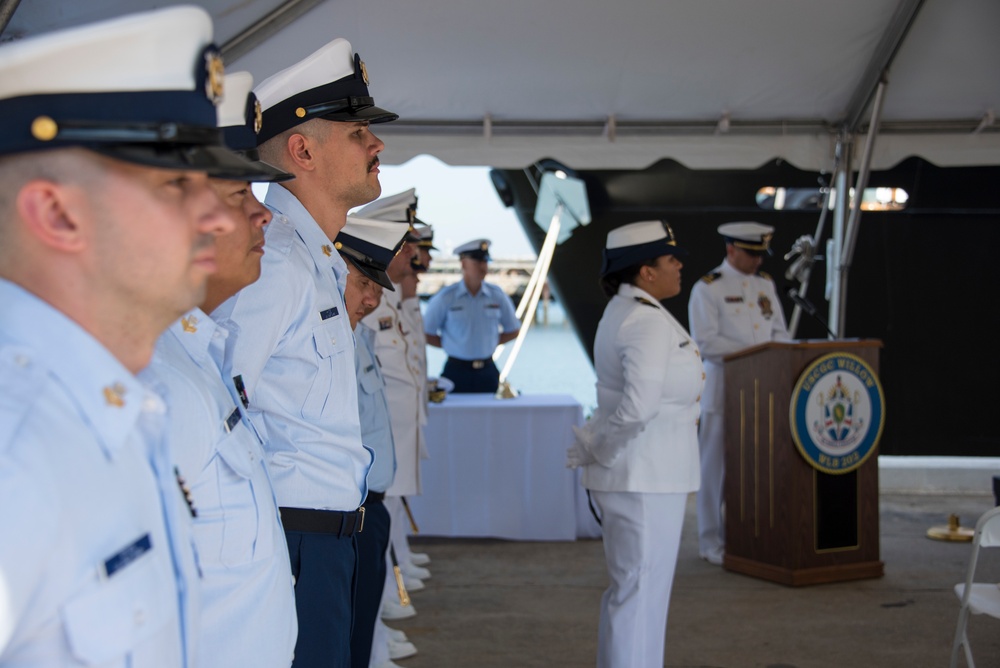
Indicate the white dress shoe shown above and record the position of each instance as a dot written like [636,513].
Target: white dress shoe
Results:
[419,558]
[401,650]
[393,609]
[417,572]
[713,557]
[388,664]
[396,634]
[412,584]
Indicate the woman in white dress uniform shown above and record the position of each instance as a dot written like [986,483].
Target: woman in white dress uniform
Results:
[640,449]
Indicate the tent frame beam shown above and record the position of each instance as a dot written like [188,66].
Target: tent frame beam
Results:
[264,28]
[893,37]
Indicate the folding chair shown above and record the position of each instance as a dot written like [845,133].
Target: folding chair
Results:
[977,598]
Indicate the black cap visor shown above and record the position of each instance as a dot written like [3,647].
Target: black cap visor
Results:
[215,161]
[371,114]
[616,259]
[374,273]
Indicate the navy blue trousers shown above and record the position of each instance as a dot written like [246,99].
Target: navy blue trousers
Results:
[467,379]
[325,569]
[372,545]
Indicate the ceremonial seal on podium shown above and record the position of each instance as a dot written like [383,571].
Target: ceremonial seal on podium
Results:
[837,412]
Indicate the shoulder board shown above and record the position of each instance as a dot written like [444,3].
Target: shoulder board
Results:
[708,278]
[280,235]
[643,300]
[21,380]
[764,274]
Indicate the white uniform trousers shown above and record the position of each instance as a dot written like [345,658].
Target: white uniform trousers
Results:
[642,534]
[711,446]
[380,640]
[399,530]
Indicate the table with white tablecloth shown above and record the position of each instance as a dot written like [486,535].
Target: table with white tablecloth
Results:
[497,469]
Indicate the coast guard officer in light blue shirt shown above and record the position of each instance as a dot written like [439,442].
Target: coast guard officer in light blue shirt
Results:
[106,237]
[247,600]
[469,319]
[296,356]
[368,246]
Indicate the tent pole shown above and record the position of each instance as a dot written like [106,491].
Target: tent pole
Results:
[7,9]
[853,224]
[793,323]
[834,243]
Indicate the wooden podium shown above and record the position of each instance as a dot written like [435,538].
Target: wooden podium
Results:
[787,521]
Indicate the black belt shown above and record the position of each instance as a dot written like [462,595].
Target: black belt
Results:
[375,497]
[344,523]
[472,364]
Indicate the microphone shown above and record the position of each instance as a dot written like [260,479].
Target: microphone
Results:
[808,307]
[800,301]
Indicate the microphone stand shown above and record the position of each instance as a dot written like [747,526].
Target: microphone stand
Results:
[809,308]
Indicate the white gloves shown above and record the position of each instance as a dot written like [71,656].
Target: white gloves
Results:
[577,455]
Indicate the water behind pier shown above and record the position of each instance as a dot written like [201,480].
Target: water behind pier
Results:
[551,361]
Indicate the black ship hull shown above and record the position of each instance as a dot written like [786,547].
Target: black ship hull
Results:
[920,280]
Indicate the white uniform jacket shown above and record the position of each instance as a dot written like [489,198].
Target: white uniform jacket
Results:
[405,388]
[729,311]
[644,433]
[414,319]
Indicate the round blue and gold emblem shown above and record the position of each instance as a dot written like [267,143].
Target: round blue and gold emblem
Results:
[837,412]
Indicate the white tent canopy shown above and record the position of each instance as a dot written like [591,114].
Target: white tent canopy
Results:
[599,84]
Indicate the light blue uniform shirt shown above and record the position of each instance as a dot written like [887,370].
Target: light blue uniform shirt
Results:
[96,558]
[469,326]
[296,357]
[248,600]
[373,409]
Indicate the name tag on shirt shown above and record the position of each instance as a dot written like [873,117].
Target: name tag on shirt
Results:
[684,343]
[329,313]
[241,390]
[455,308]
[734,300]
[232,420]
[493,306]
[126,556]
[369,368]
[385,323]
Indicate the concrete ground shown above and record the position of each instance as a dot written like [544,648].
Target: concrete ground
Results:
[505,604]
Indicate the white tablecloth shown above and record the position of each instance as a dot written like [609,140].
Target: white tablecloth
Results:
[497,469]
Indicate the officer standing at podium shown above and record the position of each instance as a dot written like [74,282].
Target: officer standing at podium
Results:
[466,319]
[733,307]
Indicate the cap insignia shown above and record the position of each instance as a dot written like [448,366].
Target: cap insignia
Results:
[364,72]
[189,324]
[216,74]
[484,246]
[327,251]
[114,395]
[300,112]
[44,128]
[258,117]
[671,239]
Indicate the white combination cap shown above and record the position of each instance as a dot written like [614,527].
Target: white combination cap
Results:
[141,88]
[426,234]
[401,207]
[631,244]
[239,117]
[370,245]
[748,235]
[330,83]
[477,249]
